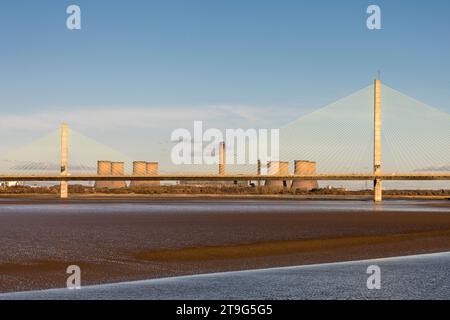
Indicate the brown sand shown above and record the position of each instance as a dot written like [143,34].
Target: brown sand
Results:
[36,247]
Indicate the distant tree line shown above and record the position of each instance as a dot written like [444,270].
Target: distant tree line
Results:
[215,189]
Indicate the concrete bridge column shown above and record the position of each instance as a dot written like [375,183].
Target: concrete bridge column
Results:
[64,188]
[377,185]
[378,190]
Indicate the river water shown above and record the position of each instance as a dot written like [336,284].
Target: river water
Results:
[110,232]
[218,206]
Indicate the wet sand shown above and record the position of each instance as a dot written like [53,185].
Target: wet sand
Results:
[115,240]
[418,277]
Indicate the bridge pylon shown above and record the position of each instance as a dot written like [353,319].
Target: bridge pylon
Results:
[64,188]
[377,184]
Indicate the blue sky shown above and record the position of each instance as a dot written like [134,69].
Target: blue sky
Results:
[243,63]
[301,54]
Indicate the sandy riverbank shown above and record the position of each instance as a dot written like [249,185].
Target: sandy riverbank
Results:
[117,240]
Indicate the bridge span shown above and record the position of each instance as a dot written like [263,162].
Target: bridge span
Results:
[230,177]
[377,176]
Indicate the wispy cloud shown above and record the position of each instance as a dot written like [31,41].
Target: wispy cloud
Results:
[49,166]
[437,168]
[141,118]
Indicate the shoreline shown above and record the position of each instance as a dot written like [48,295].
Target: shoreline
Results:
[240,272]
[152,240]
[97,196]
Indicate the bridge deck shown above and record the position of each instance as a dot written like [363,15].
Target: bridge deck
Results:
[238,177]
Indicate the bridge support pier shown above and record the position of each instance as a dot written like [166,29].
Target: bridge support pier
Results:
[377,141]
[378,190]
[64,188]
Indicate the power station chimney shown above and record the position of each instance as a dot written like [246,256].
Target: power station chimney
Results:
[259,172]
[377,185]
[64,189]
[222,159]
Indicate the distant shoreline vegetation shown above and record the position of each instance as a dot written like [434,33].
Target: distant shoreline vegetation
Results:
[216,190]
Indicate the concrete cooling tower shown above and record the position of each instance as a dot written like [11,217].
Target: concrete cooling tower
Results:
[118,169]
[139,169]
[142,168]
[303,167]
[104,169]
[152,170]
[275,168]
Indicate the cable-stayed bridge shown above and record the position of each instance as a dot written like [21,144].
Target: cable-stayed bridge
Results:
[231,177]
[376,134]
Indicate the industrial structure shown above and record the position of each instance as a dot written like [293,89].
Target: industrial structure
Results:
[112,175]
[104,168]
[222,157]
[152,170]
[277,168]
[303,167]
[139,169]
[144,168]
[118,169]
[221,172]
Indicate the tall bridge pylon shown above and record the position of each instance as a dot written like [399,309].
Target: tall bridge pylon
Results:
[64,192]
[377,184]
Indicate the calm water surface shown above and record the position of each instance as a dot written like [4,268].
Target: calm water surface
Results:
[222,206]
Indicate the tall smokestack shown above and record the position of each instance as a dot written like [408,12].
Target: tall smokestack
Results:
[222,159]
[64,192]
[303,167]
[378,197]
[259,172]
